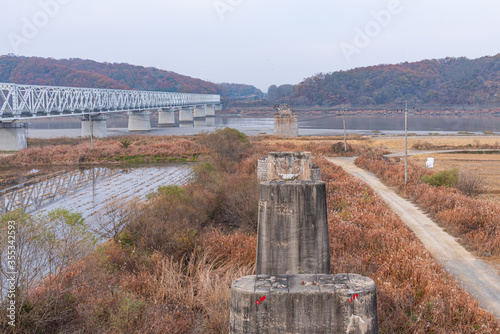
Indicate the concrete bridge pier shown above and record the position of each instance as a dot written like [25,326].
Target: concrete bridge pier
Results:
[198,123]
[210,110]
[210,121]
[139,121]
[293,290]
[94,124]
[186,115]
[12,136]
[166,118]
[218,107]
[199,112]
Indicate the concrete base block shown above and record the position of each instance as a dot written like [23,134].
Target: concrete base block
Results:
[12,136]
[166,118]
[304,304]
[139,121]
[293,228]
[210,111]
[186,125]
[98,126]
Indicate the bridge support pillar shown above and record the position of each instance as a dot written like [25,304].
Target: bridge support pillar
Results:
[210,110]
[210,121]
[218,107]
[12,136]
[166,118]
[186,115]
[198,123]
[139,121]
[199,112]
[95,125]
[293,290]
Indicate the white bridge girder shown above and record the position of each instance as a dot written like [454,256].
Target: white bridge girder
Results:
[26,101]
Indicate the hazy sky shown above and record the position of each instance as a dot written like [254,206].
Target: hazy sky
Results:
[259,42]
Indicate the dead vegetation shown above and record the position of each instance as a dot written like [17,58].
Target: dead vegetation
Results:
[170,266]
[475,221]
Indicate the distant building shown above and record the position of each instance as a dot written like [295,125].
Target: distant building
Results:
[285,122]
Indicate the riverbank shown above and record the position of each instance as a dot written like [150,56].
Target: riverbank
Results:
[171,258]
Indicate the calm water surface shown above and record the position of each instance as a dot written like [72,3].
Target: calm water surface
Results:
[320,125]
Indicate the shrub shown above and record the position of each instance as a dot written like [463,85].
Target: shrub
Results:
[471,184]
[445,178]
[229,146]
[125,142]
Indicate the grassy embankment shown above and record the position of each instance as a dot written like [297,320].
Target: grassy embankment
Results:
[474,221]
[169,267]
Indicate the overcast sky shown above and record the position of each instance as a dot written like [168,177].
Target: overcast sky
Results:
[258,42]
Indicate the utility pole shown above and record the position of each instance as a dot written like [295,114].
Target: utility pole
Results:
[406,143]
[91,132]
[345,137]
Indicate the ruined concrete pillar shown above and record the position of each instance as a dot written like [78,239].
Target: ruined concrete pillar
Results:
[95,124]
[139,121]
[166,118]
[293,228]
[305,304]
[285,122]
[293,290]
[12,136]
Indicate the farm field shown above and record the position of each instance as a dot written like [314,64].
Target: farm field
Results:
[484,165]
[437,142]
[397,143]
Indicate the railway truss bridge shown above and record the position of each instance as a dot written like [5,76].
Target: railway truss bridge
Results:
[19,103]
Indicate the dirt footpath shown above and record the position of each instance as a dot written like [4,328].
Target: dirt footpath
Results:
[474,275]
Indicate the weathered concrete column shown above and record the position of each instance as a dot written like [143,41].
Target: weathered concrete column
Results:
[210,110]
[139,121]
[305,304]
[12,136]
[285,122]
[218,107]
[199,112]
[98,126]
[166,118]
[293,291]
[186,115]
[293,228]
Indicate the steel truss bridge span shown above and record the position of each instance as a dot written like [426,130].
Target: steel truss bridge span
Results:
[26,101]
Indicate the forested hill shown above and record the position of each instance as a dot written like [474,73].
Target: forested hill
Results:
[88,73]
[449,81]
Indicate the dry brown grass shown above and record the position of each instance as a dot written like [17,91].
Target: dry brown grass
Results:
[109,151]
[485,165]
[131,287]
[435,142]
[415,294]
[475,221]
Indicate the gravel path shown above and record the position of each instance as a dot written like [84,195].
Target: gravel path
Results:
[474,275]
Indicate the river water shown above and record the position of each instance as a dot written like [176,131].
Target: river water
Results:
[308,125]
[90,191]
[90,194]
